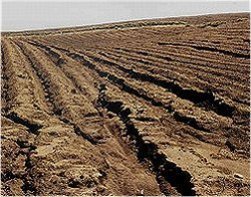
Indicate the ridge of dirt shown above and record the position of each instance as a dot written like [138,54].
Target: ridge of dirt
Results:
[151,107]
[148,151]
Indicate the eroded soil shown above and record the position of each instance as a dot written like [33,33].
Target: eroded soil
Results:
[154,107]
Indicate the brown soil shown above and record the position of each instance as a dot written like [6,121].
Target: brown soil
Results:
[152,107]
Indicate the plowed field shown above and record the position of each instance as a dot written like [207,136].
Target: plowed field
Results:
[151,107]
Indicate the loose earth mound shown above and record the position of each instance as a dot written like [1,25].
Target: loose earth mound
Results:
[151,107]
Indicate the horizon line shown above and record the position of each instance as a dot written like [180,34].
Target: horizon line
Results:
[112,22]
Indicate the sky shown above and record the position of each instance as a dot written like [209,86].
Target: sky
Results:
[28,15]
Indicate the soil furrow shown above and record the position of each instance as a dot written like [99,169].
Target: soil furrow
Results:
[183,57]
[149,108]
[163,185]
[4,84]
[71,72]
[39,74]
[184,73]
[46,86]
[173,66]
[223,91]
[25,149]
[212,49]
[121,83]
[15,81]
[32,127]
[204,99]
[188,56]
[164,169]
[28,187]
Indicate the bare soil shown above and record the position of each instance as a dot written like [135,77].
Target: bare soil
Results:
[151,107]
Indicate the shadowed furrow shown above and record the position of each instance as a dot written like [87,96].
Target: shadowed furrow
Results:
[150,108]
[163,168]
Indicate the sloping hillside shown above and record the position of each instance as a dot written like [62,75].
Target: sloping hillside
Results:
[151,107]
